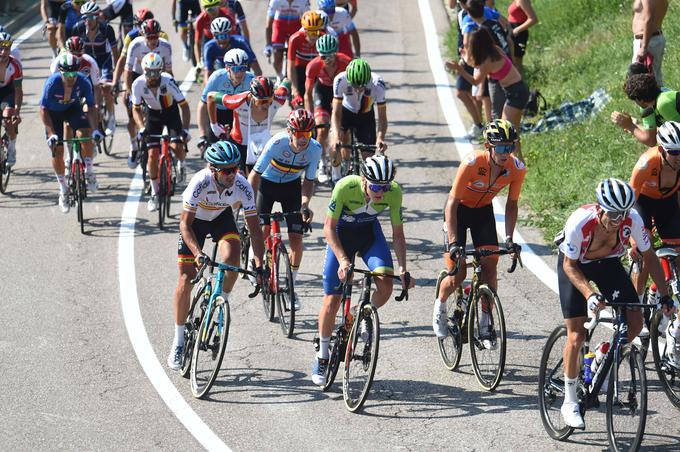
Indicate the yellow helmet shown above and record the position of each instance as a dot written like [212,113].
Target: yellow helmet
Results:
[210,3]
[312,21]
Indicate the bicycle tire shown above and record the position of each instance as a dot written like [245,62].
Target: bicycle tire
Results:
[669,376]
[285,292]
[162,192]
[80,192]
[481,361]
[335,356]
[192,43]
[451,346]
[245,248]
[266,292]
[192,325]
[634,400]
[355,395]
[210,332]
[548,387]
[107,142]
[5,172]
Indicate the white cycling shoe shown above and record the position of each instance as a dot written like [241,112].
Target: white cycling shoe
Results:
[152,204]
[439,324]
[572,415]
[64,205]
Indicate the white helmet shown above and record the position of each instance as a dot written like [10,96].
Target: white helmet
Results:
[668,135]
[236,57]
[152,61]
[220,25]
[378,169]
[615,195]
[89,8]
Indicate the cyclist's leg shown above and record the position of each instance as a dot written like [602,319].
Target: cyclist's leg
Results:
[483,232]
[348,123]
[173,121]
[7,108]
[154,126]
[290,197]
[131,125]
[77,120]
[266,196]
[57,119]
[106,66]
[378,258]
[448,285]
[53,11]
[366,131]
[648,209]
[229,246]
[279,36]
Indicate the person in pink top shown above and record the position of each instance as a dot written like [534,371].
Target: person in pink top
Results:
[521,16]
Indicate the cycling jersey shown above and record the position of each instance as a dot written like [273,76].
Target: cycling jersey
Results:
[203,21]
[139,48]
[244,125]
[348,204]
[132,34]
[468,25]
[342,24]
[300,49]
[13,73]
[16,53]
[100,47]
[213,54]
[69,16]
[285,10]
[236,8]
[317,70]
[579,231]
[53,93]
[167,93]
[220,81]
[359,101]
[88,66]
[204,198]
[646,177]
[279,164]
[667,108]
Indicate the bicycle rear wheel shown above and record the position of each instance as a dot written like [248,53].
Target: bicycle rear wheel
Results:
[162,193]
[193,324]
[451,346]
[361,358]
[107,142]
[79,174]
[5,172]
[486,336]
[209,347]
[627,401]
[335,355]
[669,375]
[285,292]
[266,292]
[551,385]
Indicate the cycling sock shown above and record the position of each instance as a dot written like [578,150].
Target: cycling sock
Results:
[439,305]
[179,336]
[225,295]
[570,390]
[133,145]
[63,188]
[295,272]
[336,173]
[89,169]
[323,347]
[155,184]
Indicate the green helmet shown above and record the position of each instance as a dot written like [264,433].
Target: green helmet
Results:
[327,45]
[358,72]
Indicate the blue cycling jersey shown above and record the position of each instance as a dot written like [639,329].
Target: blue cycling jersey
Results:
[279,164]
[101,46]
[467,25]
[69,17]
[219,81]
[213,53]
[53,93]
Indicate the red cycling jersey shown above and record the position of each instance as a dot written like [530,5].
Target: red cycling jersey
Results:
[316,69]
[300,49]
[204,20]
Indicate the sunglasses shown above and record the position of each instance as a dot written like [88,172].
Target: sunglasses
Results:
[225,171]
[239,68]
[151,37]
[328,57]
[314,33]
[503,148]
[261,102]
[379,187]
[212,9]
[671,151]
[91,18]
[153,73]
[616,216]
[70,74]
[222,36]
[301,134]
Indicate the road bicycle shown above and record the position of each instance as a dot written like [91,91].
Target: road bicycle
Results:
[106,144]
[167,174]
[76,181]
[465,324]
[206,330]
[356,340]
[353,165]
[5,170]
[621,372]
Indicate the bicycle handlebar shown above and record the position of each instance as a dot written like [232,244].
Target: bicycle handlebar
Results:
[402,295]
[360,146]
[516,257]
[281,216]
[226,267]
[592,323]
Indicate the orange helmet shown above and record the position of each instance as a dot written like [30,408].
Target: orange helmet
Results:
[312,21]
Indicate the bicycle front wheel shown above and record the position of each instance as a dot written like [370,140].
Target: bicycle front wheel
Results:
[163,193]
[451,346]
[79,174]
[361,358]
[627,401]
[285,292]
[209,347]
[486,336]
[551,385]
[335,355]
[5,170]
[193,324]
[669,375]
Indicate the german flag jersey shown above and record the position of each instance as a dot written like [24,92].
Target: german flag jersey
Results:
[167,93]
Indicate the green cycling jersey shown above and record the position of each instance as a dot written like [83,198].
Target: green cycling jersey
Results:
[667,108]
[349,204]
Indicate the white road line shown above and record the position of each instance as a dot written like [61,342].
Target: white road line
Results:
[27,34]
[532,261]
[135,325]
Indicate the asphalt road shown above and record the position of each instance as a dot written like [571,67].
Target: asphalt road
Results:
[71,379]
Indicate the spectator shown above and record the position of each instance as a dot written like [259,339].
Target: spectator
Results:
[521,16]
[649,42]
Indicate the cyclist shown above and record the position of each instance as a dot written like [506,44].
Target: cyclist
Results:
[69,15]
[215,49]
[163,98]
[349,5]
[181,20]
[254,111]
[100,43]
[590,247]
[234,79]
[235,7]
[352,227]
[208,201]
[61,102]
[354,93]
[276,178]
[301,50]
[118,8]
[15,51]
[319,91]
[283,19]
[49,9]
[481,176]
[212,10]
[11,94]
[340,21]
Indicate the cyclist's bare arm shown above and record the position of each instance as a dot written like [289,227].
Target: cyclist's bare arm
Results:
[652,263]
[18,99]
[382,125]
[511,211]
[576,276]
[354,36]
[336,119]
[47,121]
[212,106]
[186,219]
[254,180]
[186,115]
[43,10]
[268,30]
[451,218]
[127,80]
[174,12]
[118,71]
[61,35]
[309,96]
[245,32]
[257,242]
[307,192]
[399,244]
[255,67]
[202,114]
[137,115]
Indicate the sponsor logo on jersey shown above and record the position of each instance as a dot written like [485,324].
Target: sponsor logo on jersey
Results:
[246,189]
[286,153]
[348,218]
[478,184]
[200,188]
[625,231]
[481,171]
[331,206]
[470,160]
[571,248]
[643,162]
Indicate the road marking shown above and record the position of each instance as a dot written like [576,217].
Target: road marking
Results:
[27,34]
[135,325]
[448,104]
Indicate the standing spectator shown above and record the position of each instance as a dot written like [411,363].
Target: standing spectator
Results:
[349,5]
[649,43]
[521,16]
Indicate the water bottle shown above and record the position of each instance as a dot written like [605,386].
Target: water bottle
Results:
[600,353]
[466,290]
[587,363]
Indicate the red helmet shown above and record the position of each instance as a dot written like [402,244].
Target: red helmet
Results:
[142,15]
[300,121]
[151,27]
[75,45]
[261,88]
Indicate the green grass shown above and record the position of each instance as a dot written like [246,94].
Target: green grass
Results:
[577,47]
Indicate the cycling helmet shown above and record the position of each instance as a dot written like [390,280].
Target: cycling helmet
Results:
[324,19]
[327,45]
[151,27]
[89,8]
[220,25]
[378,169]
[615,195]
[261,88]
[500,131]
[312,21]
[222,153]
[75,45]
[68,62]
[6,37]
[668,135]
[210,3]
[236,57]
[2,29]
[358,72]
[326,5]
[152,62]
[142,15]
[300,120]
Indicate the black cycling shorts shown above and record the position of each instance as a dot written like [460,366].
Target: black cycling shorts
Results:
[183,13]
[157,119]
[300,79]
[517,95]
[663,214]
[74,116]
[363,125]
[7,97]
[323,99]
[221,228]
[611,278]
[289,194]
[520,40]
[481,223]
[125,13]
[243,150]
[53,9]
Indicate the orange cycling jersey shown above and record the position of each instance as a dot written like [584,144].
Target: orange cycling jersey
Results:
[646,177]
[473,185]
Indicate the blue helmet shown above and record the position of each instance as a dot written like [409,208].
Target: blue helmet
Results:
[326,5]
[222,153]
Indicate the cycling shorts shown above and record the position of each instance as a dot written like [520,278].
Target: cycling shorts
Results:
[243,150]
[520,40]
[223,227]
[157,119]
[517,95]
[105,64]
[53,9]
[282,30]
[224,117]
[74,116]
[481,223]
[7,97]
[663,214]
[363,125]
[300,78]
[369,242]
[183,14]
[461,83]
[126,14]
[323,102]
[289,194]
[611,278]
